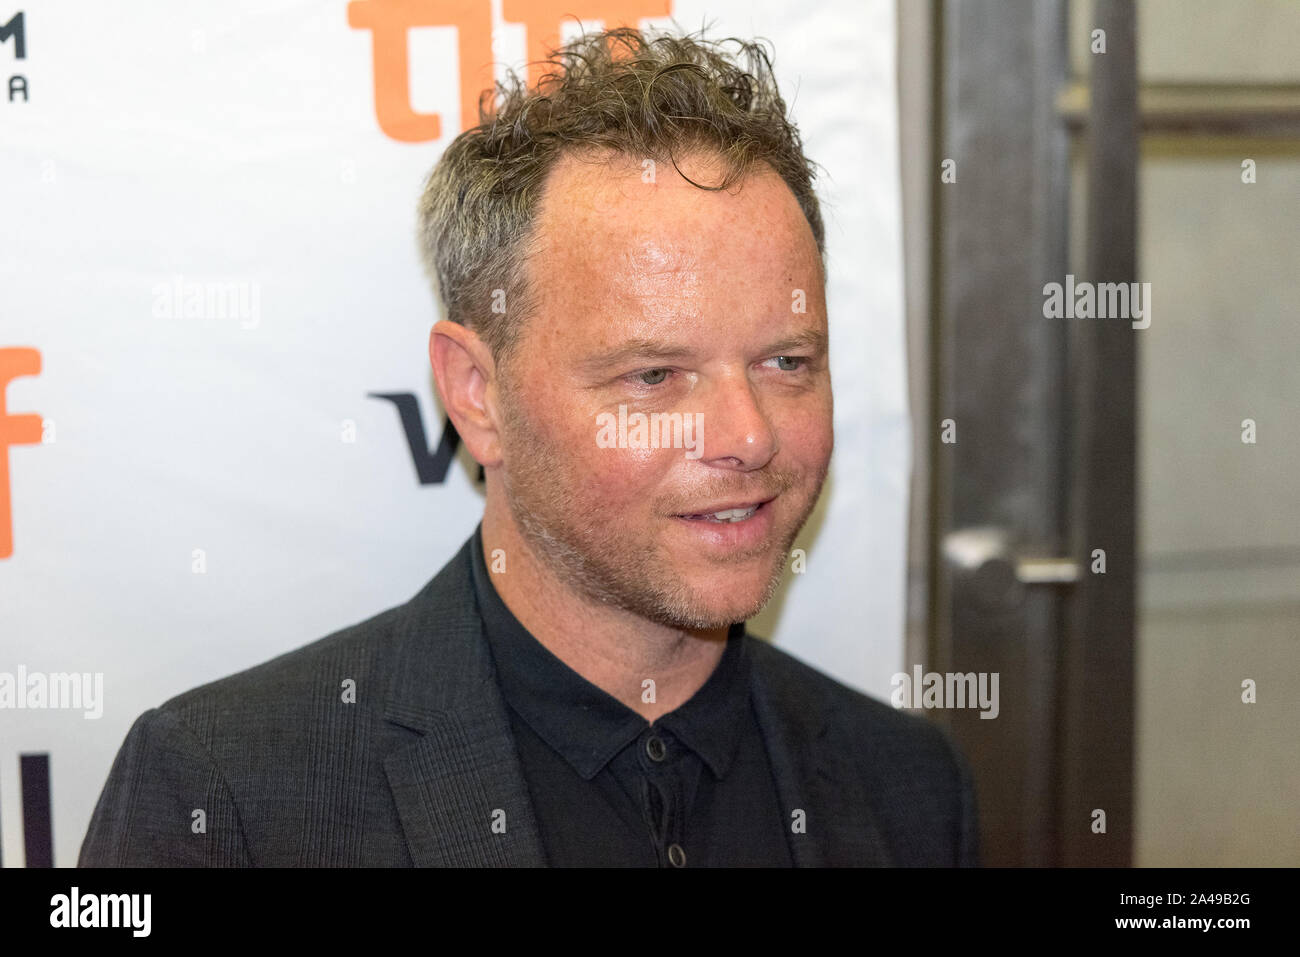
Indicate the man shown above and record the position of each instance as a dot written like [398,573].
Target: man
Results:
[631,260]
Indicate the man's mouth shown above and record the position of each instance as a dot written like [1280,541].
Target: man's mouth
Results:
[725,514]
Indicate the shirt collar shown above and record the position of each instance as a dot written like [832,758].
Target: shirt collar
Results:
[588,726]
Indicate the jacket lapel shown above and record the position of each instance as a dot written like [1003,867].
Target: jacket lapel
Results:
[461,796]
[813,775]
[459,789]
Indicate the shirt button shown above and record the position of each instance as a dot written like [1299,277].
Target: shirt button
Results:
[676,856]
[654,747]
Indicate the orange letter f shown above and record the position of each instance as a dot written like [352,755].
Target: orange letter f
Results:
[14,430]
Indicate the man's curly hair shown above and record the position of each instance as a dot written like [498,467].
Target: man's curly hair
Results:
[618,90]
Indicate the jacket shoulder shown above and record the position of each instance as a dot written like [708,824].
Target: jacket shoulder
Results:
[293,680]
[371,653]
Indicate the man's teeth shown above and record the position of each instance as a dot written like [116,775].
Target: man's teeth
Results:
[730,514]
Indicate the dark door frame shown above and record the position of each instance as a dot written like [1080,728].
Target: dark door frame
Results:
[1042,469]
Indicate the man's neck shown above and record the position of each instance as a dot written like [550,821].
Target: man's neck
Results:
[611,647]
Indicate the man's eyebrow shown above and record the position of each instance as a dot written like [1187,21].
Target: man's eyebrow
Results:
[814,340]
[634,349]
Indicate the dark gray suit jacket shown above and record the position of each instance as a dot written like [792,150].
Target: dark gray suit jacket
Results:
[414,772]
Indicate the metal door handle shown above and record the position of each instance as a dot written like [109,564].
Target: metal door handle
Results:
[984,560]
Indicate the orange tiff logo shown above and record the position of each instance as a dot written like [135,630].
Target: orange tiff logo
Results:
[14,430]
[389,20]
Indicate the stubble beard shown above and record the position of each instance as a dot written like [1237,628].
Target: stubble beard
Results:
[595,555]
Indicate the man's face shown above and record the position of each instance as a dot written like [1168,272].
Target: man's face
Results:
[665,298]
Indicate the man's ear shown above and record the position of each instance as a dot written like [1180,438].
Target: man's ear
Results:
[466,378]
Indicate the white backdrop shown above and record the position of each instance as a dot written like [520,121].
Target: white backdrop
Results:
[170,152]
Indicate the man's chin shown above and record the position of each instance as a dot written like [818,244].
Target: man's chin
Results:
[708,612]
[700,619]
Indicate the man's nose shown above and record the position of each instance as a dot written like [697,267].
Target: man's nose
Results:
[735,429]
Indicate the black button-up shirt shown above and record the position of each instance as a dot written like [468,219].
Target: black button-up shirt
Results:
[693,789]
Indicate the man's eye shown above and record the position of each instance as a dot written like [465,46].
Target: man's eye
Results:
[796,362]
[651,376]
